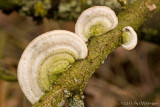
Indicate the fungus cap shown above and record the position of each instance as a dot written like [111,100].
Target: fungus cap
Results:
[129,38]
[45,58]
[94,21]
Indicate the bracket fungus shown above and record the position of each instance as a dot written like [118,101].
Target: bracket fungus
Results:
[45,59]
[129,38]
[95,21]
[48,56]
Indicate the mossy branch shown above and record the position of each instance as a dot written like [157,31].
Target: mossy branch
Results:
[75,78]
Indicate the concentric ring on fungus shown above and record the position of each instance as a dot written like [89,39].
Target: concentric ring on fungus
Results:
[45,59]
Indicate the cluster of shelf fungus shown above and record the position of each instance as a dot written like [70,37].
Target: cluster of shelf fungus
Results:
[52,53]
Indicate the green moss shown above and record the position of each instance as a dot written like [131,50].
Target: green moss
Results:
[126,37]
[61,103]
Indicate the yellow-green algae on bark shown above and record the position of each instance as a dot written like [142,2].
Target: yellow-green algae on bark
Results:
[99,47]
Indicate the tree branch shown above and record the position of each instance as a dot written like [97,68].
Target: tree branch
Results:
[123,3]
[7,76]
[55,9]
[75,78]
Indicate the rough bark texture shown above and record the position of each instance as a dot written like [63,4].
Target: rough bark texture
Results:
[75,78]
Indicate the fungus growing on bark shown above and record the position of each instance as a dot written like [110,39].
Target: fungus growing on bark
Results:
[48,56]
[129,38]
[95,21]
[45,59]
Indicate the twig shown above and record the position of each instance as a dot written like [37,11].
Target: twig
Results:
[123,3]
[7,76]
